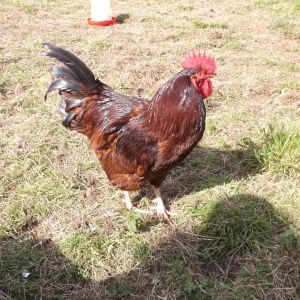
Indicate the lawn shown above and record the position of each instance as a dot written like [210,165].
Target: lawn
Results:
[64,230]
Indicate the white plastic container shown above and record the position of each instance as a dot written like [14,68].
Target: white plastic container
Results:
[100,10]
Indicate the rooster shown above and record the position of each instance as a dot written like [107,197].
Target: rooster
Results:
[136,141]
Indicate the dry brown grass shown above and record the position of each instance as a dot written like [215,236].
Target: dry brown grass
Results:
[238,226]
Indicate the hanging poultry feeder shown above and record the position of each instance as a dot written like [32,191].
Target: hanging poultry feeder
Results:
[101,13]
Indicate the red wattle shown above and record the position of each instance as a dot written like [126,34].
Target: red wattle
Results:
[206,88]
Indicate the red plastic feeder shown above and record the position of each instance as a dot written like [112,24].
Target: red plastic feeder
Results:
[102,23]
[101,13]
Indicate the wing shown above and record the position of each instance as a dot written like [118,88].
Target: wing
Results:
[104,119]
[131,158]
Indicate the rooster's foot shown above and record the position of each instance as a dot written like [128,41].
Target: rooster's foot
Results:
[161,211]
[130,206]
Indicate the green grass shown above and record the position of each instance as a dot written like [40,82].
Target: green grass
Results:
[201,24]
[85,251]
[133,221]
[266,3]
[279,151]
[33,200]
[287,28]
[285,87]
[285,65]
[89,252]
[26,6]
[296,5]
[227,233]
[12,75]
[41,260]
[286,14]
[97,44]
[288,6]
[236,195]
[233,43]
[292,67]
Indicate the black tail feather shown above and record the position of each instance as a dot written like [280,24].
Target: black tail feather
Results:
[64,85]
[74,77]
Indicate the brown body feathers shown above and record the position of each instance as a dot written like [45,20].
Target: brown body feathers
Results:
[135,140]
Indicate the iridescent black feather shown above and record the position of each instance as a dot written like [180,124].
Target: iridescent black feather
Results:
[74,77]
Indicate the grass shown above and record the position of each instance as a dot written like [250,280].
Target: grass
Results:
[286,14]
[287,28]
[233,43]
[266,3]
[91,252]
[236,195]
[97,44]
[288,87]
[280,150]
[185,7]
[291,6]
[201,24]
[296,5]
[226,234]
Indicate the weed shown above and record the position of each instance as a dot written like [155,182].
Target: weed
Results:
[285,87]
[119,289]
[271,62]
[149,19]
[133,219]
[291,67]
[197,291]
[296,5]
[287,28]
[85,250]
[211,126]
[288,66]
[279,151]
[266,3]
[97,44]
[201,24]
[233,43]
[290,238]
[28,7]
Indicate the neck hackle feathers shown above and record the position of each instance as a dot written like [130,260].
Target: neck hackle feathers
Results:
[195,59]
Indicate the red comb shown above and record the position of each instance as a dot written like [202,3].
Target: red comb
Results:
[196,59]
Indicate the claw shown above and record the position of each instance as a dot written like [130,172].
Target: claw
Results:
[159,208]
[161,211]
[169,213]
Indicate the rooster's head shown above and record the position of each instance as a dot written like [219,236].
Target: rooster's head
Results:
[205,67]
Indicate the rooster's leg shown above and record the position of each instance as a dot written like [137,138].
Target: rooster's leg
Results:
[127,201]
[160,207]
[130,207]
